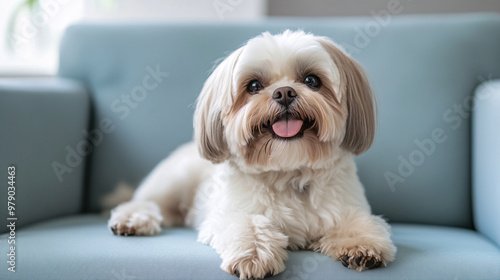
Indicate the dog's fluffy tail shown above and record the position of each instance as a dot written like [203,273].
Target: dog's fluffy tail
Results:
[123,192]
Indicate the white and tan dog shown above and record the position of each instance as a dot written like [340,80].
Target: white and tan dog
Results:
[277,126]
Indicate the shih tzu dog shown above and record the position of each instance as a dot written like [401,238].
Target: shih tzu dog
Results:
[277,126]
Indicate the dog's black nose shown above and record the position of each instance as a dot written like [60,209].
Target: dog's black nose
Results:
[284,95]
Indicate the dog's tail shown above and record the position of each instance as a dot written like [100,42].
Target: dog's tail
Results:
[123,192]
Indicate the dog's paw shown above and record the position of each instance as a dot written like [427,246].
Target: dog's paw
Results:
[365,257]
[360,241]
[360,262]
[254,267]
[135,218]
[252,248]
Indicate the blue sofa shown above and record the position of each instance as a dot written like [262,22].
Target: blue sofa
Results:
[123,100]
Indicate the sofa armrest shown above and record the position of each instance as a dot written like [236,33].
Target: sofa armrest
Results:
[41,124]
[486,160]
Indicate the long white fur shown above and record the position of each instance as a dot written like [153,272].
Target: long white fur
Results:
[252,214]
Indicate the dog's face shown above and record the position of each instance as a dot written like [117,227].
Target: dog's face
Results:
[284,102]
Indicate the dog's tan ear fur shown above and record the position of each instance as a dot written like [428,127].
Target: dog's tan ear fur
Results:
[360,124]
[213,103]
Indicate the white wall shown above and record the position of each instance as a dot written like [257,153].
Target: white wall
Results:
[178,10]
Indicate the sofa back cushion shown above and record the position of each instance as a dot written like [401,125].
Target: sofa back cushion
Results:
[145,77]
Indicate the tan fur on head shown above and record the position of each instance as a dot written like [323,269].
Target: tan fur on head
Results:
[360,127]
[214,99]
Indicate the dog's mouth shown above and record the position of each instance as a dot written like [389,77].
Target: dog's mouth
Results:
[288,126]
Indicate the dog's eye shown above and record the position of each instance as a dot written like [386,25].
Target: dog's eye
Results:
[254,87]
[312,81]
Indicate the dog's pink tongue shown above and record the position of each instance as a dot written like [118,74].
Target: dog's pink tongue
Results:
[287,127]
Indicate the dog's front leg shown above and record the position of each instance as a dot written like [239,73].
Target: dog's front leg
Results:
[359,240]
[250,246]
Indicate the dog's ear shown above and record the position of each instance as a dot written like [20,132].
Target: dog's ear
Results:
[212,105]
[356,91]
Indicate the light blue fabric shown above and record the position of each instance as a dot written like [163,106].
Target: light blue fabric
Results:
[486,151]
[39,119]
[420,66]
[81,247]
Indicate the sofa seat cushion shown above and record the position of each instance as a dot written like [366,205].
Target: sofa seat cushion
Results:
[81,247]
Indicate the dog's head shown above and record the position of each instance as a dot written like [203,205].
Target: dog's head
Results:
[283,102]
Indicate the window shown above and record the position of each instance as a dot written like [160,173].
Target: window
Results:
[31,31]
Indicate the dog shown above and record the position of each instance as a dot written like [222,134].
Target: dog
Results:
[276,128]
